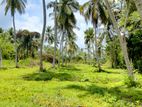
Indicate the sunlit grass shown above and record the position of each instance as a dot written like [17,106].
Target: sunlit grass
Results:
[77,85]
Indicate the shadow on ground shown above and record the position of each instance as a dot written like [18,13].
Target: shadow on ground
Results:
[54,73]
[69,68]
[116,93]
[106,71]
[7,68]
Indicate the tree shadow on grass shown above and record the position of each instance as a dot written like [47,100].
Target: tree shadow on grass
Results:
[69,68]
[54,73]
[128,95]
[45,76]
[7,68]
[106,71]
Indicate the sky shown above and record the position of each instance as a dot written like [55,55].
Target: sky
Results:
[32,19]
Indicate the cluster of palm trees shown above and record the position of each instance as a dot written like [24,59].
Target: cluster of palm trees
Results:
[65,22]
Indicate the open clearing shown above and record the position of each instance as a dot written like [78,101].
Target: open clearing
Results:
[77,85]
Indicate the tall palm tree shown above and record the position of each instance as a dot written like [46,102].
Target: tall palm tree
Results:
[55,27]
[122,40]
[43,33]
[89,40]
[13,6]
[54,6]
[93,10]
[67,21]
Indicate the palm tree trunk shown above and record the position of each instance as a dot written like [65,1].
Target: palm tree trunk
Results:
[55,42]
[138,4]
[59,55]
[66,51]
[99,57]
[123,43]
[15,44]
[88,55]
[61,48]
[96,49]
[0,58]
[43,32]
[93,52]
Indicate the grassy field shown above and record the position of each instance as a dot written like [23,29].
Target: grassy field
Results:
[77,85]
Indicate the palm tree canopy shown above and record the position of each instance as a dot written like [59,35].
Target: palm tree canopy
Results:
[49,35]
[92,10]
[14,5]
[89,35]
[65,13]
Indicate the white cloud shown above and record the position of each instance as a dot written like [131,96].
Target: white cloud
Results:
[33,20]
[32,23]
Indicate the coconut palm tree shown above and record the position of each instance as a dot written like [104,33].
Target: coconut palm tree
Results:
[54,5]
[49,35]
[122,40]
[94,10]
[55,28]
[72,48]
[89,40]
[66,19]
[42,36]
[89,37]
[13,6]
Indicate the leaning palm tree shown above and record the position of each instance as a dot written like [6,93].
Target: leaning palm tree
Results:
[13,6]
[122,40]
[43,32]
[93,10]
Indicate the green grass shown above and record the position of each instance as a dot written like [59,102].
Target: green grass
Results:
[77,85]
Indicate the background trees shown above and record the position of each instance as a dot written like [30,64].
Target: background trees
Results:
[6,47]
[28,43]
